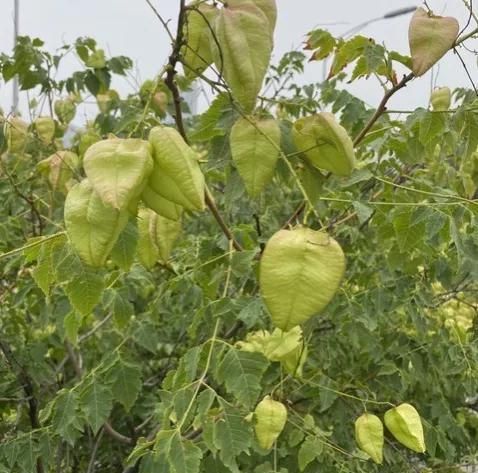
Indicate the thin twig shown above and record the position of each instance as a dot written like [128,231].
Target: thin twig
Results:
[161,19]
[95,328]
[91,464]
[466,70]
[294,216]
[382,107]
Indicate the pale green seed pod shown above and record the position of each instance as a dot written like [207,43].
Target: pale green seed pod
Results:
[270,417]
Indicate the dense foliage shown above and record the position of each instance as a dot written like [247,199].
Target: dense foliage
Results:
[156,265]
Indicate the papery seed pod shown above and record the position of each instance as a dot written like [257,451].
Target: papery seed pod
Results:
[118,169]
[45,128]
[245,50]
[300,272]
[325,143]
[405,425]
[270,418]
[440,99]
[255,146]
[93,227]
[430,38]
[65,110]
[17,134]
[369,436]
[176,176]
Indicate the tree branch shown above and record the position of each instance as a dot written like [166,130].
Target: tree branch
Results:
[178,115]
[382,107]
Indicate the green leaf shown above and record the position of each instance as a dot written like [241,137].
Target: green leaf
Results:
[430,38]
[210,123]
[408,230]
[241,28]
[118,169]
[347,52]
[241,372]
[96,403]
[232,436]
[322,42]
[27,461]
[371,61]
[177,176]
[84,290]
[71,325]
[205,401]
[432,125]
[325,143]
[255,146]
[44,272]
[122,308]
[364,212]
[93,227]
[300,273]
[309,451]
[126,383]
[124,251]
[65,420]
[182,454]
[470,134]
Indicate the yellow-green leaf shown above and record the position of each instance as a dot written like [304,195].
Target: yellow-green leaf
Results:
[325,143]
[255,148]
[160,205]
[369,436]
[176,176]
[118,169]
[405,425]
[92,226]
[430,37]
[270,417]
[300,273]
[197,52]
[245,52]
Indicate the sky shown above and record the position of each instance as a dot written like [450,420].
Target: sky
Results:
[129,27]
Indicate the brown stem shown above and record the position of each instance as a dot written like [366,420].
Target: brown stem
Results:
[382,107]
[294,216]
[225,229]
